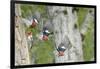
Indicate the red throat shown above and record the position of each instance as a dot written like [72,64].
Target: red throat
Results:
[33,24]
[61,53]
[45,37]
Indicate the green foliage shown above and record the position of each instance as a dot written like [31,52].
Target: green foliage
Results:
[43,50]
[27,9]
[81,16]
[88,43]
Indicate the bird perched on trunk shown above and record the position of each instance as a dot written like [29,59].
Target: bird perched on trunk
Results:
[61,49]
[34,23]
[30,23]
[46,33]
